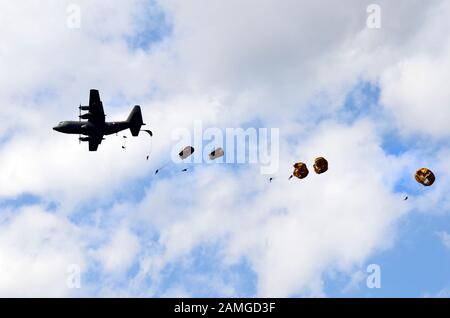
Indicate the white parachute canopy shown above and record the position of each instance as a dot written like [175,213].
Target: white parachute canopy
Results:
[217,153]
[186,152]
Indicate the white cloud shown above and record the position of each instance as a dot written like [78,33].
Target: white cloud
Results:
[356,280]
[445,238]
[416,92]
[121,251]
[415,88]
[36,249]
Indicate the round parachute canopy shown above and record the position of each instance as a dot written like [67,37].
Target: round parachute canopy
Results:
[320,165]
[186,152]
[425,176]
[300,170]
[217,153]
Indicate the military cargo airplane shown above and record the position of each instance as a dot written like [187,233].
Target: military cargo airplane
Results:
[95,127]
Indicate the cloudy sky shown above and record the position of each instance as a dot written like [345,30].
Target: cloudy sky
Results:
[374,101]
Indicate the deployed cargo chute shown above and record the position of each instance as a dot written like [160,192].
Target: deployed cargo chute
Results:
[217,153]
[186,152]
[320,165]
[300,170]
[425,177]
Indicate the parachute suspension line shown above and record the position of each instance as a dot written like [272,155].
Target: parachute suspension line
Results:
[151,141]
[185,153]
[151,148]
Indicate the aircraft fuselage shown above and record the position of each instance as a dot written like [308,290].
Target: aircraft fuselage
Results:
[90,129]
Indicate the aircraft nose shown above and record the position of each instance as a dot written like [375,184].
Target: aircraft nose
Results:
[57,128]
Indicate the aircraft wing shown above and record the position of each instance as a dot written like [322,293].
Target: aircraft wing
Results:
[94,143]
[96,107]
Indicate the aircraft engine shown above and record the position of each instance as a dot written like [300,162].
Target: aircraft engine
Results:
[85,116]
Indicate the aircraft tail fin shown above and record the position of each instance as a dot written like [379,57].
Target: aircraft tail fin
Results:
[135,120]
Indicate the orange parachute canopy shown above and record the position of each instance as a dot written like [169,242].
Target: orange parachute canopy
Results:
[320,165]
[425,176]
[300,170]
